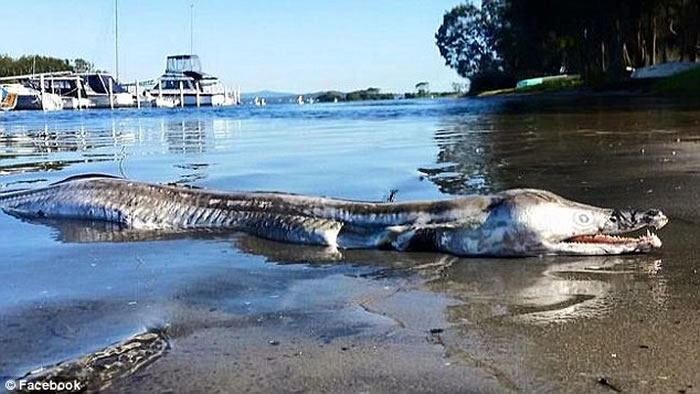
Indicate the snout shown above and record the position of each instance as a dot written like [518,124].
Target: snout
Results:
[655,219]
[632,219]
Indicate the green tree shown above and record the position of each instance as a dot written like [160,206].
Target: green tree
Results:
[368,94]
[423,88]
[597,38]
[82,66]
[32,64]
[466,39]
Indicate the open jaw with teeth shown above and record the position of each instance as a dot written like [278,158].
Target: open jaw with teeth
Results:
[645,241]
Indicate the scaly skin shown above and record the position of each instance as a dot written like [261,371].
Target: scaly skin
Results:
[519,222]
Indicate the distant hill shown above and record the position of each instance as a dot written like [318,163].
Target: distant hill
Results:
[266,94]
[322,96]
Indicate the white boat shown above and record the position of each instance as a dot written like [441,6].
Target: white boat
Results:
[75,103]
[166,102]
[98,87]
[185,82]
[27,97]
[70,87]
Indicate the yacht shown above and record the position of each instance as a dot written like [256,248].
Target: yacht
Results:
[186,84]
[97,89]
[27,96]
[88,90]
[69,87]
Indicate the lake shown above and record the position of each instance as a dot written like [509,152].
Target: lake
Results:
[246,314]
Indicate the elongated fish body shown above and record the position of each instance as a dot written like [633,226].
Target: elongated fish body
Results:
[472,225]
[278,216]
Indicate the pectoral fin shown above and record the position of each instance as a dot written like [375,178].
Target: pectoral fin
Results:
[296,229]
[424,238]
[402,237]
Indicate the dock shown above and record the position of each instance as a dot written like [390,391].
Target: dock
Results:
[183,84]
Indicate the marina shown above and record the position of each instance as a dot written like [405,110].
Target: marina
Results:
[183,84]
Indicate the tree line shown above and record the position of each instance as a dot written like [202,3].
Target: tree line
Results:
[34,64]
[506,40]
[357,95]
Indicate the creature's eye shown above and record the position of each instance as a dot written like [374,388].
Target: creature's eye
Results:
[582,219]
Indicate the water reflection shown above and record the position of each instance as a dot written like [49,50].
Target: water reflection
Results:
[527,290]
[57,147]
[567,152]
[185,136]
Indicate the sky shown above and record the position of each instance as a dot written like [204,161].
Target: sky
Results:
[283,45]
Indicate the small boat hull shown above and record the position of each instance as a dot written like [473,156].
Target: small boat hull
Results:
[190,99]
[8,101]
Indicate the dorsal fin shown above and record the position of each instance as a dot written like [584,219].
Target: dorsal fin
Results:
[85,176]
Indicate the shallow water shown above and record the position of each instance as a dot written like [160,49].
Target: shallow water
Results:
[68,290]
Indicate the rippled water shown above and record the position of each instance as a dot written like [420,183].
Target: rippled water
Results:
[66,292]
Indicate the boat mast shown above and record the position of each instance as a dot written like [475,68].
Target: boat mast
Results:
[191,28]
[116,38]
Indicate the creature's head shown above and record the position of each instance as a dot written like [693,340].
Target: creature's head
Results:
[536,222]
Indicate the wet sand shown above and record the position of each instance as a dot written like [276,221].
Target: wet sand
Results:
[536,325]
[389,322]
[354,326]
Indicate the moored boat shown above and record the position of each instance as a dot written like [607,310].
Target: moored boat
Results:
[28,97]
[100,86]
[184,82]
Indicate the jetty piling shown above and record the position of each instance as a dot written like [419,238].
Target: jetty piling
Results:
[197,88]
[41,83]
[111,95]
[138,99]
[80,93]
[182,95]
